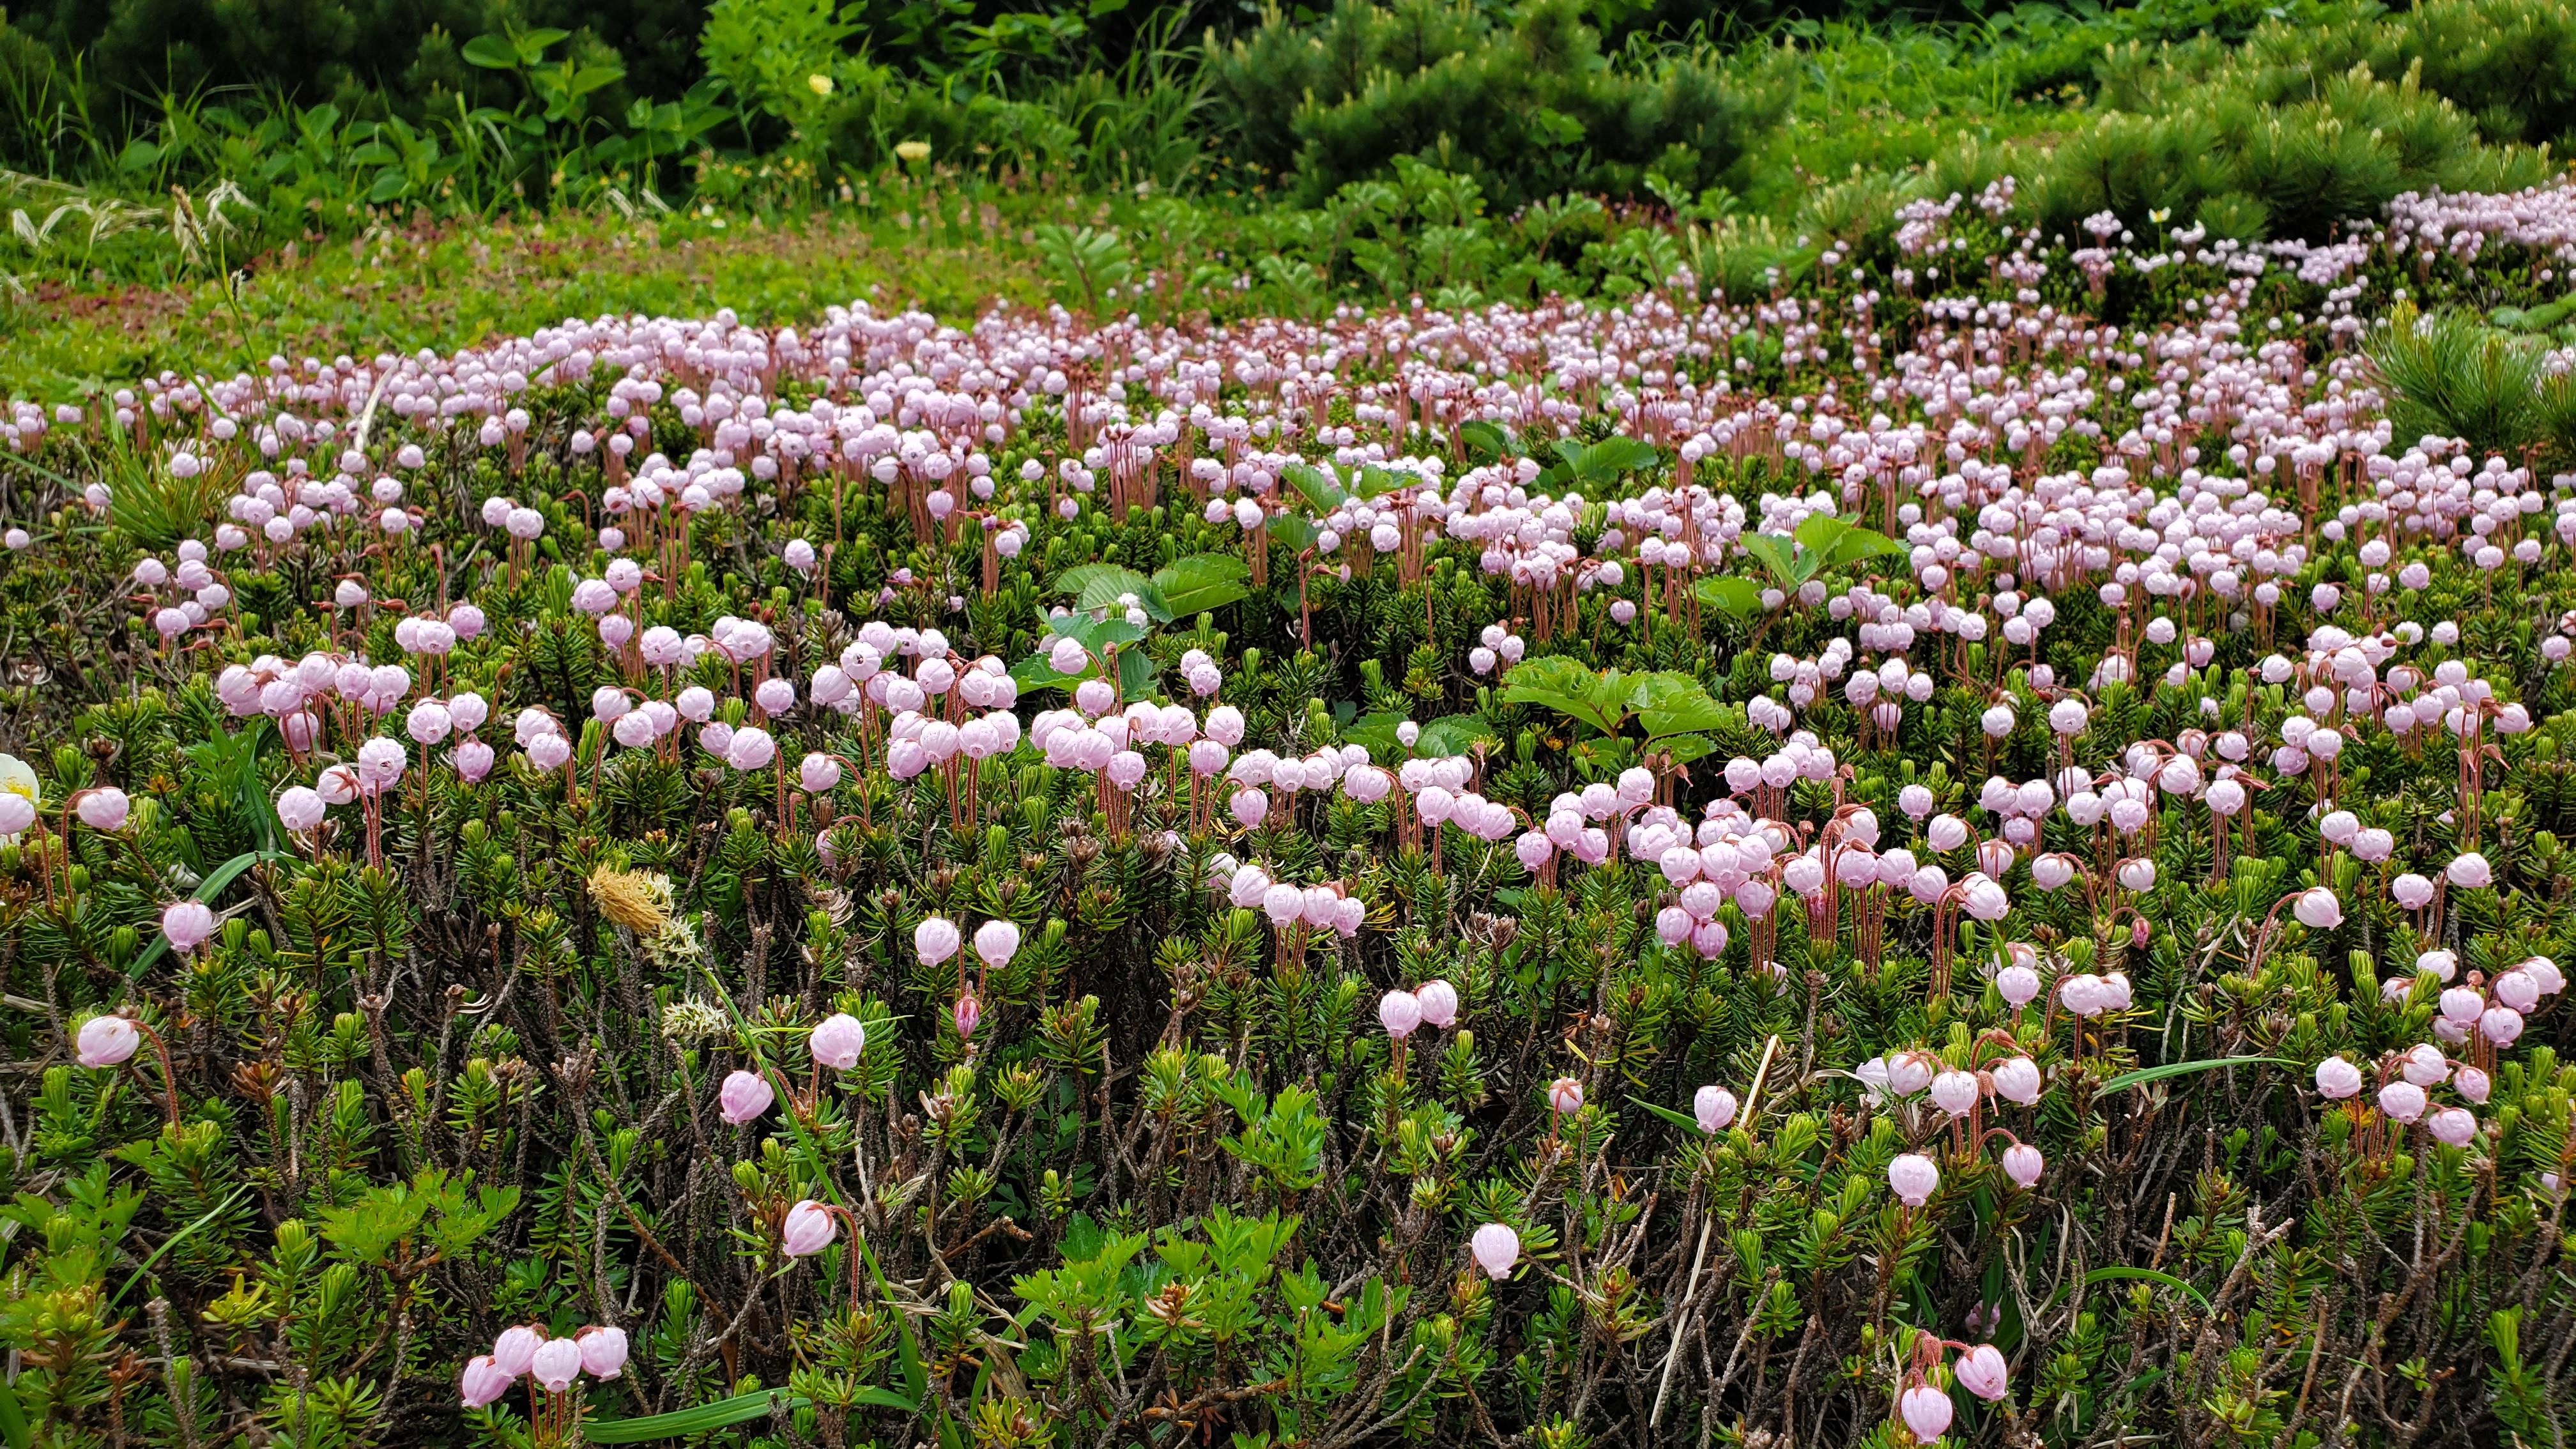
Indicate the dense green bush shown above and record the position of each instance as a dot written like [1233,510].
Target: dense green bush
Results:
[1528,108]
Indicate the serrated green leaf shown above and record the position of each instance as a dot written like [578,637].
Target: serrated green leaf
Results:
[1452,735]
[1788,567]
[1322,491]
[1202,582]
[1671,704]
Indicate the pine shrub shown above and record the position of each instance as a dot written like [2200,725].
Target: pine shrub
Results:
[1528,108]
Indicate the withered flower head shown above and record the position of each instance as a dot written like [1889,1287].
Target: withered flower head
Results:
[634,899]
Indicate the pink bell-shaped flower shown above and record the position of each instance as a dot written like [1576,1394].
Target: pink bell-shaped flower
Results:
[557,1364]
[516,1348]
[2023,1163]
[107,1041]
[1399,1012]
[1926,1411]
[1913,1178]
[837,1040]
[189,924]
[1714,1106]
[2338,1079]
[1981,1372]
[603,1351]
[744,1096]
[482,1382]
[808,1230]
[1439,1002]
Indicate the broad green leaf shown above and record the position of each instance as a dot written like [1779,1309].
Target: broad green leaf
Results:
[705,1418]
[534,44]
[1686,748]
[1135,675]
[1321,490]
[1781,557]
[1038,672]
[1568,688]
[1820,532]
[1739,597]
[1860,543]
[1376,732]
[1485,441]
[2144,1075]
[1615,455]
[492,52]
[1298,533]
[1202,582]
[1101,585]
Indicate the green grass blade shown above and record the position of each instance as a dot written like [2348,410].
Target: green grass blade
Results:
[2149,1275]
[207,890]
[681,1423]
[1685,1122]
[15,1431]
[2144,1075]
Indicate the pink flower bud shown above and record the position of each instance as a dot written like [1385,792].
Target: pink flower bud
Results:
[1981,1372]
[1399,1012]
[1714,1106]
[104,808]
[2402,1101]
[188,924]
[1565,1096]
[1439,1003]
[2023,1164]
[837,1040]
[603,1351]
[744,1096]
[1913,1178]
[516,1349]
[557,1364]
[2338,1079]
[996,942]
[935,940]
[2453,1126]
[1927,1410]
[2016,1079]
[808,1230]
[106,1041]
[1496,1248]
[967,1012]
[482,1382]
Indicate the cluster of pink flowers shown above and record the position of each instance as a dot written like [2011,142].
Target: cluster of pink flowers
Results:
[556,1364]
